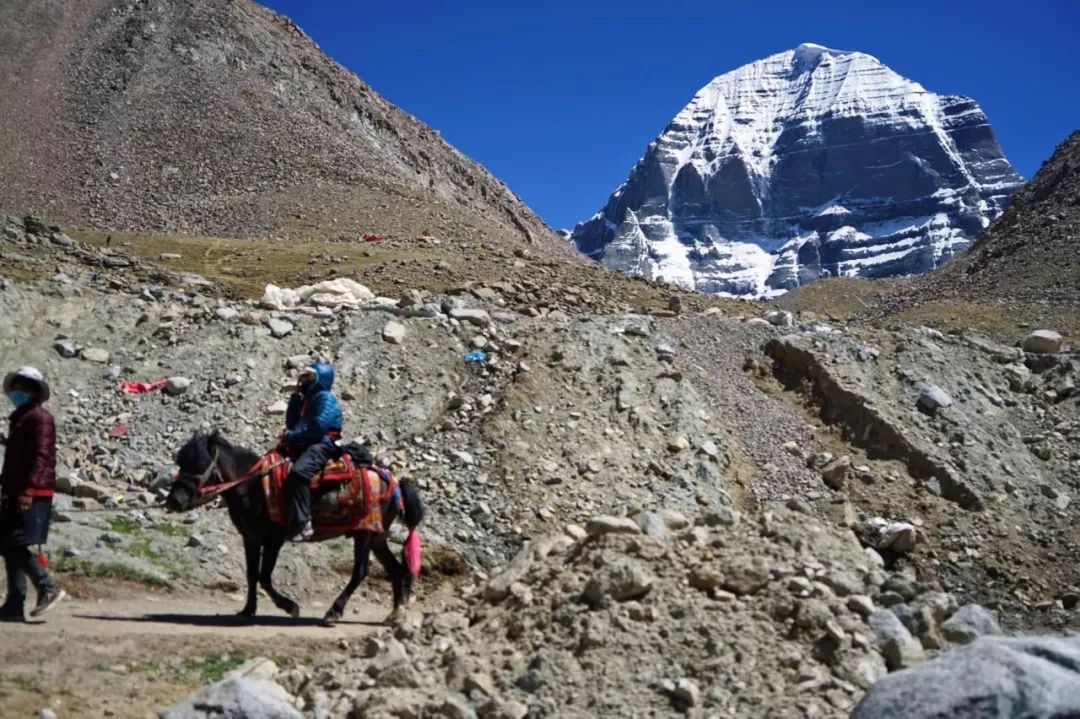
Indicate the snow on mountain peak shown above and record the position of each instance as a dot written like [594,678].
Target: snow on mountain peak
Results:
[730,197]
[809,53]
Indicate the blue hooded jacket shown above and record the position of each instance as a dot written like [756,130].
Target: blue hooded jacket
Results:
[314,413]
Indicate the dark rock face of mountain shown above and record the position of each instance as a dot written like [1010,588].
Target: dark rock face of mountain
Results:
[221,117]
[809,163]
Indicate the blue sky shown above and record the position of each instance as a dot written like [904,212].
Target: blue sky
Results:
[559,98]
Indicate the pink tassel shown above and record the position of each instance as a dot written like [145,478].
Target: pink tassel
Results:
[412,553]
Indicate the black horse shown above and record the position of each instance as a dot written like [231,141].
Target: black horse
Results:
[211,467]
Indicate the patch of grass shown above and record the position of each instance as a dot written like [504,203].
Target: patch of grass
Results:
[215,666]
[1007,322]
[21,682]
[246,266]
[22,274]
[838,297]
[143,549]
[173,530]
[152,669]
[107,570]
[125,525]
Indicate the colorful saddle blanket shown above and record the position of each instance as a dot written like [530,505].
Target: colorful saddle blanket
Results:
[345,497]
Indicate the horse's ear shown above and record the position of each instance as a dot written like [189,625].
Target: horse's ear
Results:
[213,439]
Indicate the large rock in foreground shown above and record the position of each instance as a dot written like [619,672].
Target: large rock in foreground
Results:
[235,698]
[991,677]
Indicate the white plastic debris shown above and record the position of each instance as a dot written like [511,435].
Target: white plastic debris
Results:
[328,294]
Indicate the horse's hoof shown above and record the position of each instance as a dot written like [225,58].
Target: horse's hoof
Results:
[330,619]
[293,610]
[245,613]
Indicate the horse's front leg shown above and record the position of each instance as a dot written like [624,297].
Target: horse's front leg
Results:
[252,553]
[361,558]
[271,549]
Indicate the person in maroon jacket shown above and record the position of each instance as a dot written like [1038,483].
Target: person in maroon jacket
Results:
[27,483]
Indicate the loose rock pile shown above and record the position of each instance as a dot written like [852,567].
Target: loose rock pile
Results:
[773,614]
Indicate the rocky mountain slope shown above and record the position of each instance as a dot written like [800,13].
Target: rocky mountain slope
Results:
[1032,253]
[809,163]
[222,118]
[632,510]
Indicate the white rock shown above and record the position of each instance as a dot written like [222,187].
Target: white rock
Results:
[598,526]
[476,317]
[177,386]
[687,693]
[1042,342]
[279,328]
[279,407]
[393,332]
[678,444]
[932,398]
[95,354]
[780,318]
[463,457]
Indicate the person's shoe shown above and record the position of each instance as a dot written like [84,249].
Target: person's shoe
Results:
[11,614]
[305,533]
[46,601]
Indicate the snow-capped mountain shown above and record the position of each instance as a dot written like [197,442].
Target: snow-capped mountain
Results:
[809,163]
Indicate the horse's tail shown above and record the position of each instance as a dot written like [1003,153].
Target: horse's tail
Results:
[413,515]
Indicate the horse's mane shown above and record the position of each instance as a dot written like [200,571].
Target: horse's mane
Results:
[196,454]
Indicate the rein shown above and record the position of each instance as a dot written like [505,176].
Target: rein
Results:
[207,492]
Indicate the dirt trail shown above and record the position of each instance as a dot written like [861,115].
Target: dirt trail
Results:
[128,656]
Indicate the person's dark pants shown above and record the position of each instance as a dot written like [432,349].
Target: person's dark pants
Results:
[21,563]
[18,532]
[304,469]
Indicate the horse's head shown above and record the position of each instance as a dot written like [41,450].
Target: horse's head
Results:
[197,462]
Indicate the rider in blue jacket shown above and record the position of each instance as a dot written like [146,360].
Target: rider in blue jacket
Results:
[313,422]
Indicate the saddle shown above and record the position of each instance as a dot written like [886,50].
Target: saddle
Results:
[346,497]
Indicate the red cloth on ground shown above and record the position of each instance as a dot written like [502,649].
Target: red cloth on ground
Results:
[143,387]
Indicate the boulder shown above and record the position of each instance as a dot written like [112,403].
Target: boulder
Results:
[893,639]
[277,408]
[279,328]
[991,677]
[235,698]
[932,398]
[780,318]
[653,526]
[475,317]
[498,588]
[96,355]
[598,526]
[176,386]
[622,580]
[1042,342]
[410,298]
[745,575]
[65,348]
[970,622]
[226,314]
[835,472]
[393,332]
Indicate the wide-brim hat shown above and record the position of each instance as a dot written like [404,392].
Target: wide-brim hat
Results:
[31,374]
